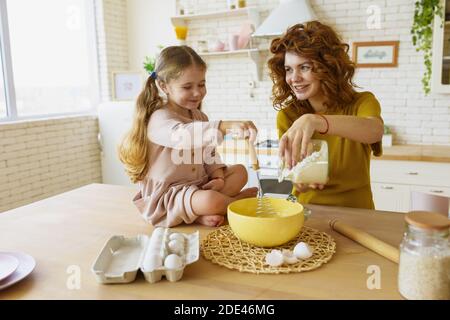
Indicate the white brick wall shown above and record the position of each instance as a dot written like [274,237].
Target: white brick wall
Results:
[404,107]
[112,40]
[42,158]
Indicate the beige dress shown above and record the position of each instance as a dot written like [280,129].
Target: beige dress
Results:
[182,157]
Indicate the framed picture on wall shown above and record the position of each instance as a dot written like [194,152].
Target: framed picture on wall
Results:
[376,54]
[126,85]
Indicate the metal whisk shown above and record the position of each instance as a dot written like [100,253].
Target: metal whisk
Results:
[263,205]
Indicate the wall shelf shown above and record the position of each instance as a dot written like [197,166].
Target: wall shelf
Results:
[226,53]
[253,54]
[250,12]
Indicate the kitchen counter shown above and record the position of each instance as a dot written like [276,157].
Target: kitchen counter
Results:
[416,153]
[71,228]
[397,152]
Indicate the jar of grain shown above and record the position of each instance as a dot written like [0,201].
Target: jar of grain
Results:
[424,266]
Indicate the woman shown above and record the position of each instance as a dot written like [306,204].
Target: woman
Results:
[316,99]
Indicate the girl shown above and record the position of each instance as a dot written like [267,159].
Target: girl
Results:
[170,149]
[312,76]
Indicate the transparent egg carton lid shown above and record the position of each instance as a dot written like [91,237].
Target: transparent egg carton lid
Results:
[164,253]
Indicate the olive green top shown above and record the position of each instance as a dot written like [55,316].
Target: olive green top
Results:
[348,160]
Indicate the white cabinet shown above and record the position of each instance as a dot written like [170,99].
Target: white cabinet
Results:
[439,191]
[114,119]
[440,78]
[393,181]
[390,197]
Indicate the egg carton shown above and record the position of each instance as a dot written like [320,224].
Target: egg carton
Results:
[164,253]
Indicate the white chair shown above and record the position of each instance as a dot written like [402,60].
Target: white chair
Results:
[421,201]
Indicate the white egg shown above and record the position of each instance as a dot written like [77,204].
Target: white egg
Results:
[158,236]
[176,246]
[274,258]
[158,232]
[289,257]
[154,247]
[156,242]
[152,262]
[173,261]
[303,251]
[177,236]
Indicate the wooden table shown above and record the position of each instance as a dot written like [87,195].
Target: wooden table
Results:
[71,228]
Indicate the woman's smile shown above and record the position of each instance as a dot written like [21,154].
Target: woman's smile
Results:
[300,88]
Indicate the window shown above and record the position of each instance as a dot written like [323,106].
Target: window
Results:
[52,48]
[2,93]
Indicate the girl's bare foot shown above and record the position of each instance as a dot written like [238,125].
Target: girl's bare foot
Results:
[215,220]
[247,193]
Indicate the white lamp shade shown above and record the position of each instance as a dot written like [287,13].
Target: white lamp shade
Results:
[288,13]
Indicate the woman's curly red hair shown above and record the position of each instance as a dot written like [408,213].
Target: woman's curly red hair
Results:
[331,65]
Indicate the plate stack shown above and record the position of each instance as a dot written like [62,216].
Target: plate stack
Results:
[14,266]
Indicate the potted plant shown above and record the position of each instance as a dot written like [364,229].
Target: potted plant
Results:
[422,33]
[387,137]
[149,61]
[149,64]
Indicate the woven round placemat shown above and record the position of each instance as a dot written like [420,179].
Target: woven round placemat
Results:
[222,247]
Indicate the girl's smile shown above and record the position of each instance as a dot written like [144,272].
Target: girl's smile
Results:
[188,90]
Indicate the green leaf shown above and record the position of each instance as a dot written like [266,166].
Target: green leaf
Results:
[150,62]
[422,33]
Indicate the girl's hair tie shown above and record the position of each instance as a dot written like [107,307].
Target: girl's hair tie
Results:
[153,75]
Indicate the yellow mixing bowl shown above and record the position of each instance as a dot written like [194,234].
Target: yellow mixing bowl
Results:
[267,230]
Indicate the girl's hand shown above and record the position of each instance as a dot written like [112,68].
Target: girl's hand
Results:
[294,142]
[302,187]
[241,129]
[215,184]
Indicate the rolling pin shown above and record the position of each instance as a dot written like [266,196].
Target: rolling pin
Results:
[366,240]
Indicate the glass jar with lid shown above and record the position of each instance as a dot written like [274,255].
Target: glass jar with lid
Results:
[424,266]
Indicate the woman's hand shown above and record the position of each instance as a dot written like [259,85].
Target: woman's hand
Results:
[294,142]
[241,129]
[302,187]
[215,184]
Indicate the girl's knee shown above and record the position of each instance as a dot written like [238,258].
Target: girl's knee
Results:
[216,202]
[241,171]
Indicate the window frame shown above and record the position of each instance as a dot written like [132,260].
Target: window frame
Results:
[8,74]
